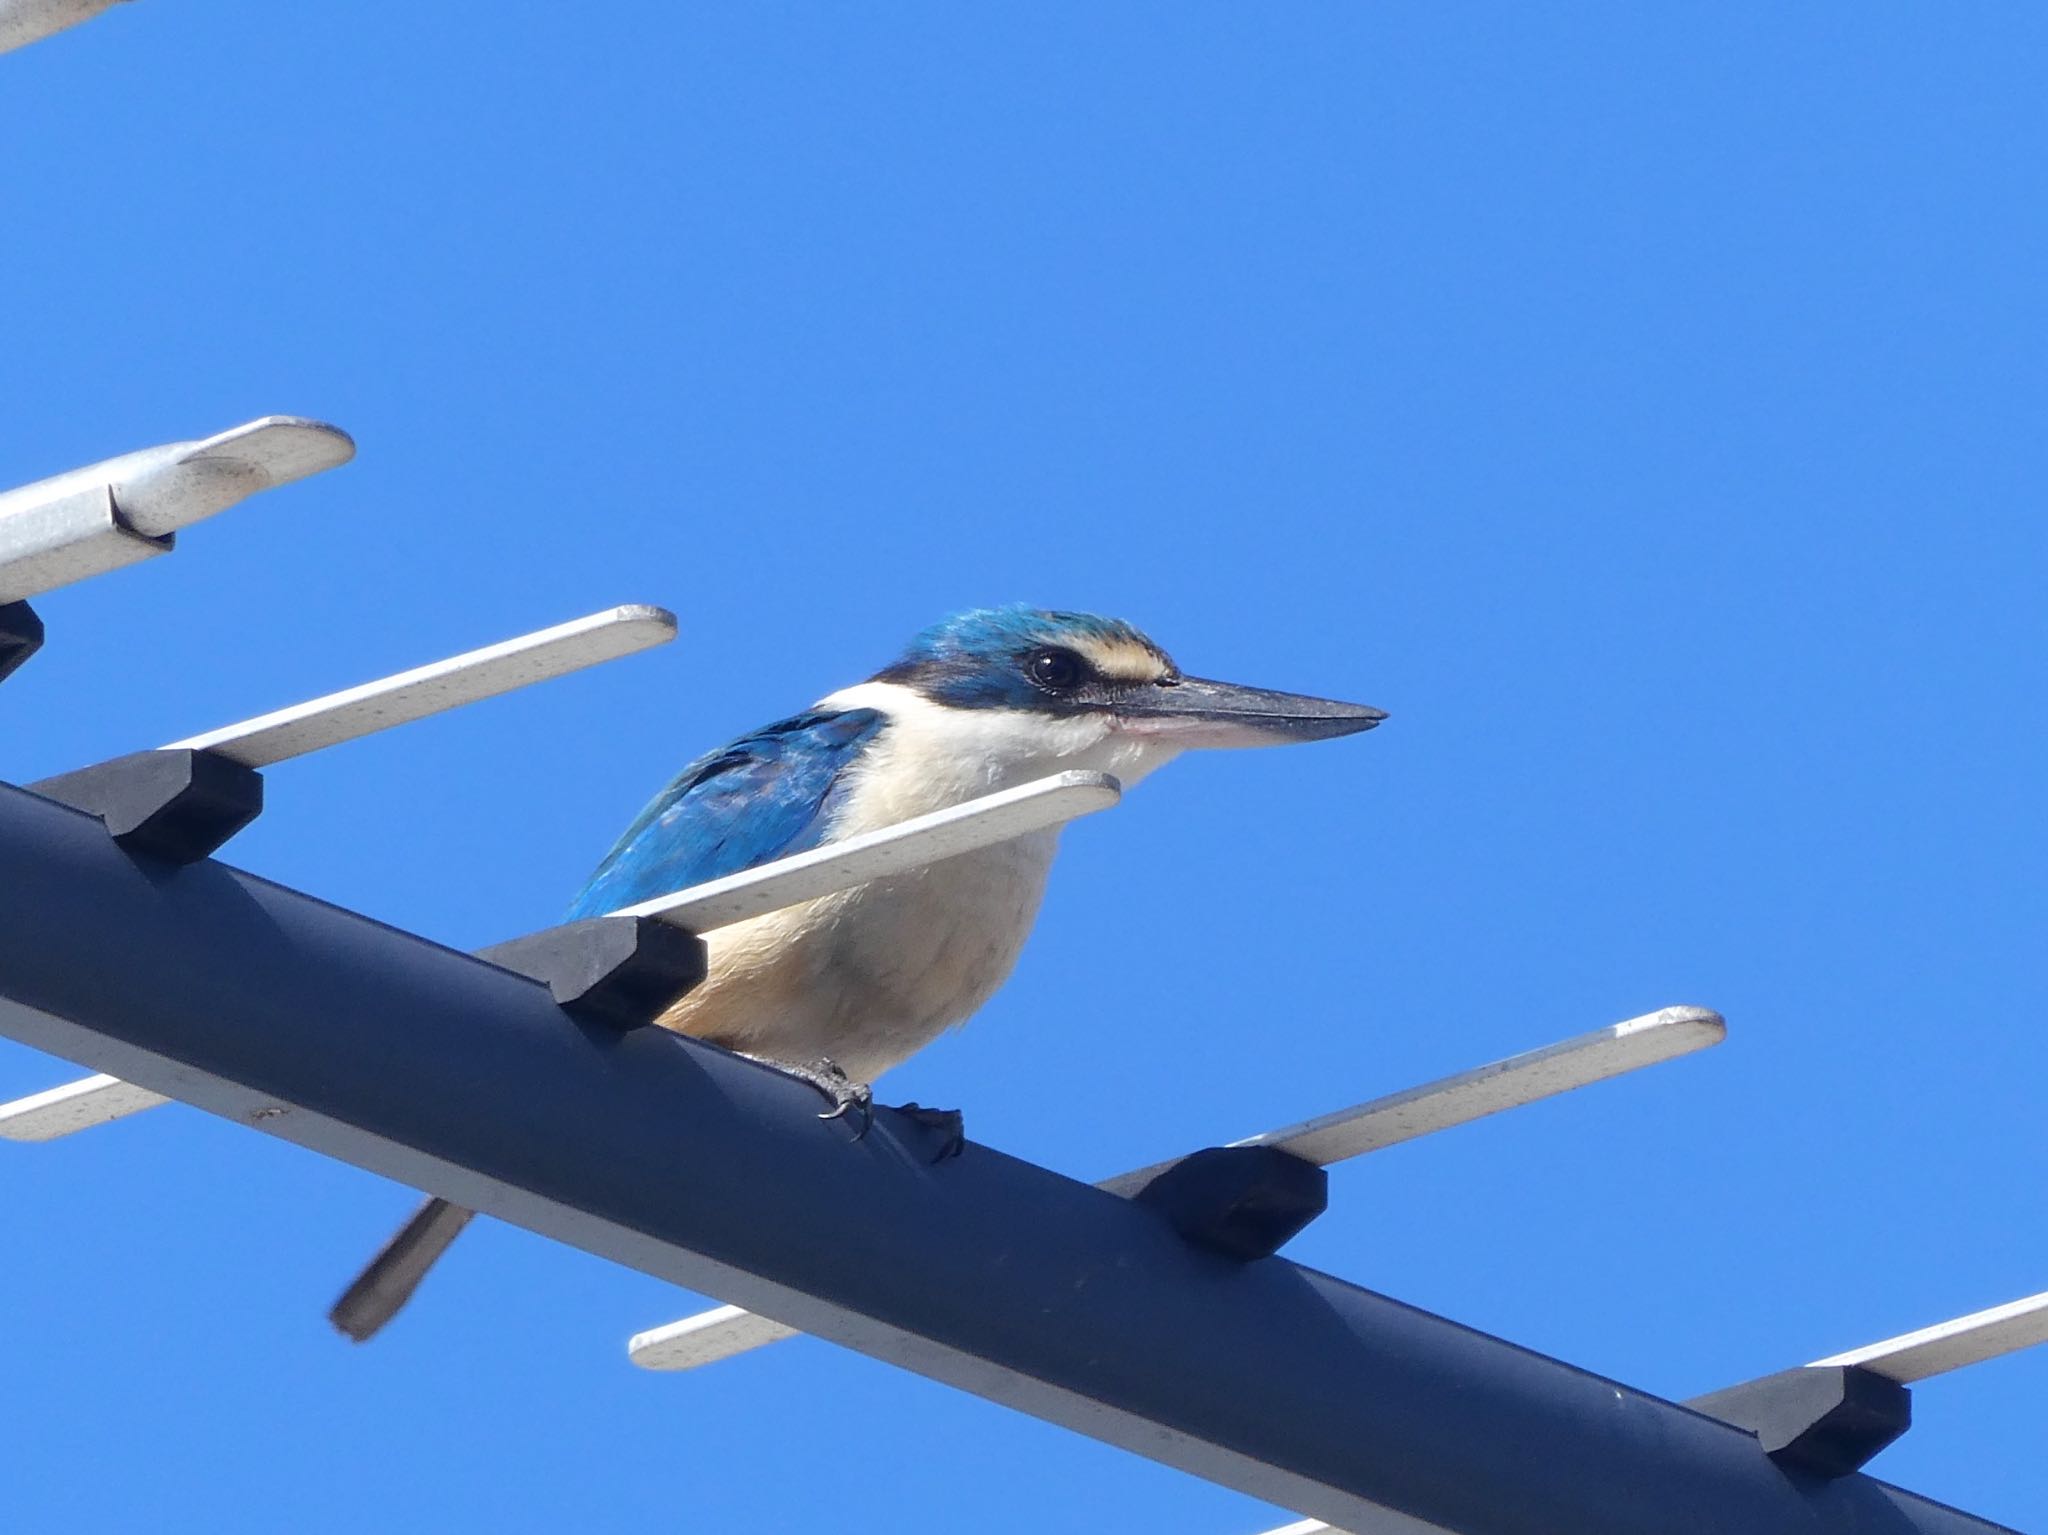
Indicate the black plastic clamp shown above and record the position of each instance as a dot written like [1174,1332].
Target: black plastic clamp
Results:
[178,804]
[1824,1419]
[21,636]
[620,971]
[1243,1201]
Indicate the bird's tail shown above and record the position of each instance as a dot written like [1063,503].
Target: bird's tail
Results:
[387,1284]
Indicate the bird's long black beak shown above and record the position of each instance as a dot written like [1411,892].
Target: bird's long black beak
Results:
[1194,712]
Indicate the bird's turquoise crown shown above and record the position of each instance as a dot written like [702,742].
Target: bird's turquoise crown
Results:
[1017,657]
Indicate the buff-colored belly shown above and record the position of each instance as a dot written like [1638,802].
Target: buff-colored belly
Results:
[870,976]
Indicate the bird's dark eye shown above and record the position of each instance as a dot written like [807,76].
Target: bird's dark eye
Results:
[1056,670]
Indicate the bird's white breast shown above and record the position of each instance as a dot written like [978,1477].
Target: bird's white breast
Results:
[871,975]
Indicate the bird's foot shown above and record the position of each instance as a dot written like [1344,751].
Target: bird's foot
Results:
[951,1128]
[825,1074]
[846,1095]
[849,1097]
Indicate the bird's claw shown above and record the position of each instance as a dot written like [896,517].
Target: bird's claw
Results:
[829,1078]
[849,1097]
[846,1095]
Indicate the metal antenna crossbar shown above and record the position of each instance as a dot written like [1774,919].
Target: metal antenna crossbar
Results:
[1914,1356]
[336,1032]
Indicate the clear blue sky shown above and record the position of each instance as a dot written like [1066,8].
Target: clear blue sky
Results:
[1643,404]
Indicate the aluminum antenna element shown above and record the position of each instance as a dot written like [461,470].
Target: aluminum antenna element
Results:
[27,21]
[438,687]
[84,523]
[1951,1345]
[999,817]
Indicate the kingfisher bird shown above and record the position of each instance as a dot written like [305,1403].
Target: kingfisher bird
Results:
[839,989]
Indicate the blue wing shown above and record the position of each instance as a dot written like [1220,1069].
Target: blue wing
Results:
[766,795]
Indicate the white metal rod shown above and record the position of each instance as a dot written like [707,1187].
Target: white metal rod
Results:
[163,489]
[704,1339]
[26,21]
[994,818]
[89,521]
[1950,1345]
[1491,1089]
[439,687]
[720,1334]
[73,1107]
[999,817]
